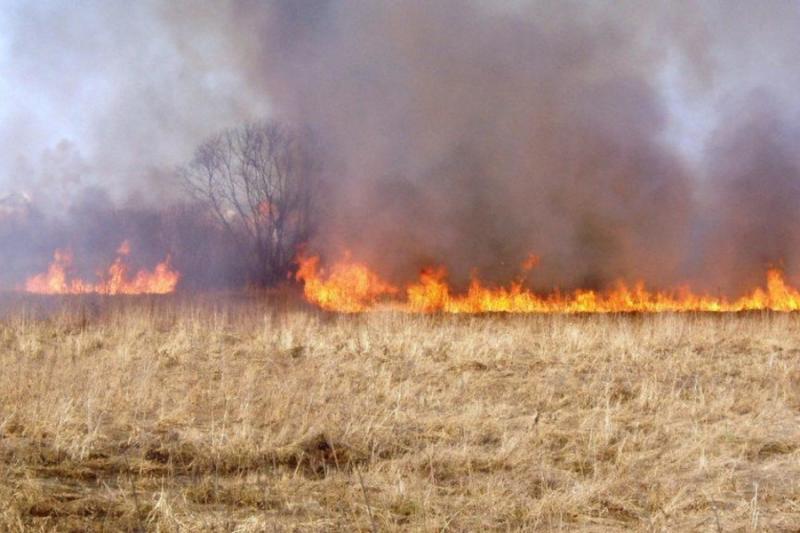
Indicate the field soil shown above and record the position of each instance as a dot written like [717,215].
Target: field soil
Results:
[176,416]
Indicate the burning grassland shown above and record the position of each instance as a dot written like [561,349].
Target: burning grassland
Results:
[114,280]
[169,415]
[352,287]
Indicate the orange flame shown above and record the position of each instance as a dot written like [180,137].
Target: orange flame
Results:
[351,287]
[115,280]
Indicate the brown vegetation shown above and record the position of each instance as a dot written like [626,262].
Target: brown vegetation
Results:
[184,417]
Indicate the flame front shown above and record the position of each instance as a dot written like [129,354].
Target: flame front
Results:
[351,287]
[114,280]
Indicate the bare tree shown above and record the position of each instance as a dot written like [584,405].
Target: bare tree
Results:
[258,182]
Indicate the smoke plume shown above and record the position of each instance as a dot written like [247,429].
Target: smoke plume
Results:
[612,139]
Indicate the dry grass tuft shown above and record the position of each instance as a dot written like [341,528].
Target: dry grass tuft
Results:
[178,417]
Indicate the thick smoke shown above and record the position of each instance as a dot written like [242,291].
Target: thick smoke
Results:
[753,195]
[612,139]
[464,134]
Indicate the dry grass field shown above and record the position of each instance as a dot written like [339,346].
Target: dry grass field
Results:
[181,416]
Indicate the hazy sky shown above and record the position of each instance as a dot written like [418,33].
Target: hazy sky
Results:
[129,94]
[108,88]
[89,71]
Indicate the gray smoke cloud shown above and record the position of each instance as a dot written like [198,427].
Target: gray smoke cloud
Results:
[471,135]
[616,140]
